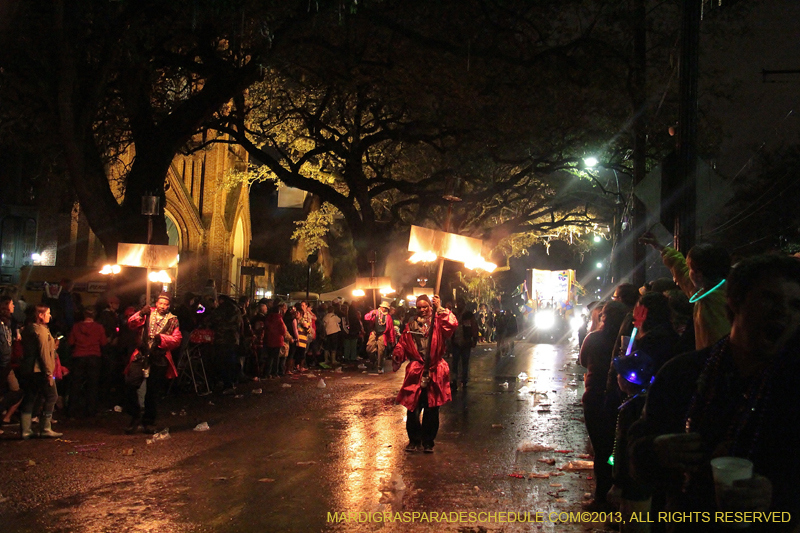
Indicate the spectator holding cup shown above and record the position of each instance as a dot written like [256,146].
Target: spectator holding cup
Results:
[733,400]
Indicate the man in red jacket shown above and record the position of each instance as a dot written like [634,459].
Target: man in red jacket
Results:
[426,386]
[87,339]
[158,334]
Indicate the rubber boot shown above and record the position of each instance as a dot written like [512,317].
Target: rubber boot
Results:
[25,426]
[45,430]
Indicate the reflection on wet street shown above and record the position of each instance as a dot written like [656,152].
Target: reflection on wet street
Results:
[283,460]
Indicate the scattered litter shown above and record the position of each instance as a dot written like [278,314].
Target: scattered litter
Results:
[117,408]
[587,495]
[392,490]
[585,456]
[578,419]
[347,377]
[364,372]
[202,426]
[80,448]
[257,391]
[220,478]
[561,500]
[556,485]
[578,465]
[475,488]
[3,499]
[362,366]
[266,480]
[161,435]
[536,475]
[182,413]
[210,403]
[533,447]
[239,396]
[173,413]
[524,389]
[504,385]
[129,451]
[31,462]
[522,376]
[321,384]
[311,376]
[65,440]
[286,385]
[306,463]
[547,460]
[517,475]
[339,370]
[497,426]
[564,451]
[554,474]
[326,396]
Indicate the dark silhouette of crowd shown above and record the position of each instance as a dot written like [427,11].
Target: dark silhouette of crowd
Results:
[686,370]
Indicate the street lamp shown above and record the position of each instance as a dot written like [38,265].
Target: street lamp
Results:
[597,238]
[590,162]
[599,265]
[150,208]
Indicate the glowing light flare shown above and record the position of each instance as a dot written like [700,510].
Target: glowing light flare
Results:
[479,263]
[386,290]
[576,322]
[597,238]
[423,257]
[110,269]
[358,293]
[544,320]
[36,258]
[159,276]
[590,162]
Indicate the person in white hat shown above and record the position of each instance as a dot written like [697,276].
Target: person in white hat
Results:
[382,334]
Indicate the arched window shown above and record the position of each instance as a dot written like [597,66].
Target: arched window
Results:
[173,232]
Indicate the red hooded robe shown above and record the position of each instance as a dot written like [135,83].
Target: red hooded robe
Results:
[444,325]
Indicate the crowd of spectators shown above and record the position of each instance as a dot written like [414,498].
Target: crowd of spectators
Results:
[689,369]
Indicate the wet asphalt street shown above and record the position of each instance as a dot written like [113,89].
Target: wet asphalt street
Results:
[283,459]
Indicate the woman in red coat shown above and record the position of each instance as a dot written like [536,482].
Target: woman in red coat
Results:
[426,386]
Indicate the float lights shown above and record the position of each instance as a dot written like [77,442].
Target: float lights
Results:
[268,294]
[159,277]
[590,162]
[358,293]
[425,257]
[110,269]
[597,238]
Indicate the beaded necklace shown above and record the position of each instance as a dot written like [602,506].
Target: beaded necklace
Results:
[156,325]
[750,412]
[698,296]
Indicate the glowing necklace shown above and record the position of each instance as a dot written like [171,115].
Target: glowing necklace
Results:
[696,298]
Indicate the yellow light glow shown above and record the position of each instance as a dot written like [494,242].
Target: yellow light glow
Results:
[386,290]
[358,293]
[110,269]
[411,298]
[160,276]
[424,257]
[479,263]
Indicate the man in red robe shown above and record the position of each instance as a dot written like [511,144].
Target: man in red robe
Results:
[426,386]
[158,334]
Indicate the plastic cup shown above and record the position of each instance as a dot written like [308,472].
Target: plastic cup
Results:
[726,470]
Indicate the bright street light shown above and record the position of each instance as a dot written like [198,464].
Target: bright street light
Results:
[590,162]
[597,238]
[599,265]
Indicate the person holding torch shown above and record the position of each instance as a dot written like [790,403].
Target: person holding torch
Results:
[426,386]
